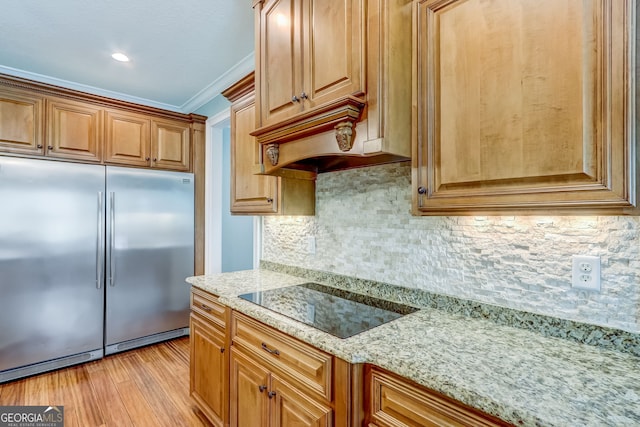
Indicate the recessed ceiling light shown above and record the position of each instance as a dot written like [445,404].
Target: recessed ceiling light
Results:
[120,57]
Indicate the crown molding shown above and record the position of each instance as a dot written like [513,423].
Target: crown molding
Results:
[235,73]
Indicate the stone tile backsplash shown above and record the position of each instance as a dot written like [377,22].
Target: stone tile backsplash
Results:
[363,228]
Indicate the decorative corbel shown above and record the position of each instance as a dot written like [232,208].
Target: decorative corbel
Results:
[344,135]
[273,153]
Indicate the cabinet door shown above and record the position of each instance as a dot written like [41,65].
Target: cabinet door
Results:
[291,407]
[21,122]
[128,139]
[74,130]
[394,402]
[208,369]
[310,53]
[249,388]
[333,53]
[279,60]
[524,106]
[170,146]
[250,194]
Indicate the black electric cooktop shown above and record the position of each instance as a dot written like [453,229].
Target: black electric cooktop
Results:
[340,313]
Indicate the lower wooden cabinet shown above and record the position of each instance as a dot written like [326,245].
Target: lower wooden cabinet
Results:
[209,363]
[392,401]
[260,397]
[277,380]
[245,373]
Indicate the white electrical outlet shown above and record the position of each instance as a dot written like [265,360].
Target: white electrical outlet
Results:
[586,272]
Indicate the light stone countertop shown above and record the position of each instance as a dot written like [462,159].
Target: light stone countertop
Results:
[518,375]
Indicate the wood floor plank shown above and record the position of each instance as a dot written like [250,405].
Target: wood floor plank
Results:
[137,406]
[109,401]
[36,390]
[178,384]
[85,401]
[158,399]
[143,387]
[13,392]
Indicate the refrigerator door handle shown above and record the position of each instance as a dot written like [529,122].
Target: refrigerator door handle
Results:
[112,238]
[100,242]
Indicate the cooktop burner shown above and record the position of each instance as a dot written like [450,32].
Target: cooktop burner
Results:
[340,313]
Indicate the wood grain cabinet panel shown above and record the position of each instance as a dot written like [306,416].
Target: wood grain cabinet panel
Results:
[299,363]
[395,402]
[260,398]
[249,392]
[145,141]
[252,193]
[74,130]
[209,357]
[128,138]
[170,146]
[311,53]
[524,106]
[333,83]
[293,407]
[21,122]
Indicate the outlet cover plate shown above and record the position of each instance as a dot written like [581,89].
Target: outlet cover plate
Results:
[585,272]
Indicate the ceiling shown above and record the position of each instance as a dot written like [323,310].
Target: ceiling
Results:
[183,53]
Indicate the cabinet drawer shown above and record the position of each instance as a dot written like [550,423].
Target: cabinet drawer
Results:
[395,402]
[292,359]
[208,306]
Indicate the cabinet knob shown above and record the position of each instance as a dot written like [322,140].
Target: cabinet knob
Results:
[39,145]
[262,388]
[271,394]
[295,99]
[269,200]
[155,159]
[303,96]
[147,158]
[50,147]
[222,350]
[422,190]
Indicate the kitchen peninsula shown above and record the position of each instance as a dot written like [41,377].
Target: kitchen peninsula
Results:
[516,374]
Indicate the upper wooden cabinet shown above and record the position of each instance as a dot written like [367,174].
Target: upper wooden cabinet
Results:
[74,130]
[253,194]
[21,122]
[311,53]
[42,120]
[524,107]
[170,146]
[333,83]
[128,138]
[139,140]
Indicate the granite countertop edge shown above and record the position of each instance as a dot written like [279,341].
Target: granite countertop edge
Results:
[517,375]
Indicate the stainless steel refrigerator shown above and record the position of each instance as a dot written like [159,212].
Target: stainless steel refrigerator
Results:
[92,261]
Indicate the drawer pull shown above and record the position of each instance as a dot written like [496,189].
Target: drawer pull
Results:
[205,308]
[271,394]
[262,388]
[268,350]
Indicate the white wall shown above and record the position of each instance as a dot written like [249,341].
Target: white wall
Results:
[364,228]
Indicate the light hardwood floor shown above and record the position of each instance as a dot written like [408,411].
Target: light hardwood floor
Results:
[148,386]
